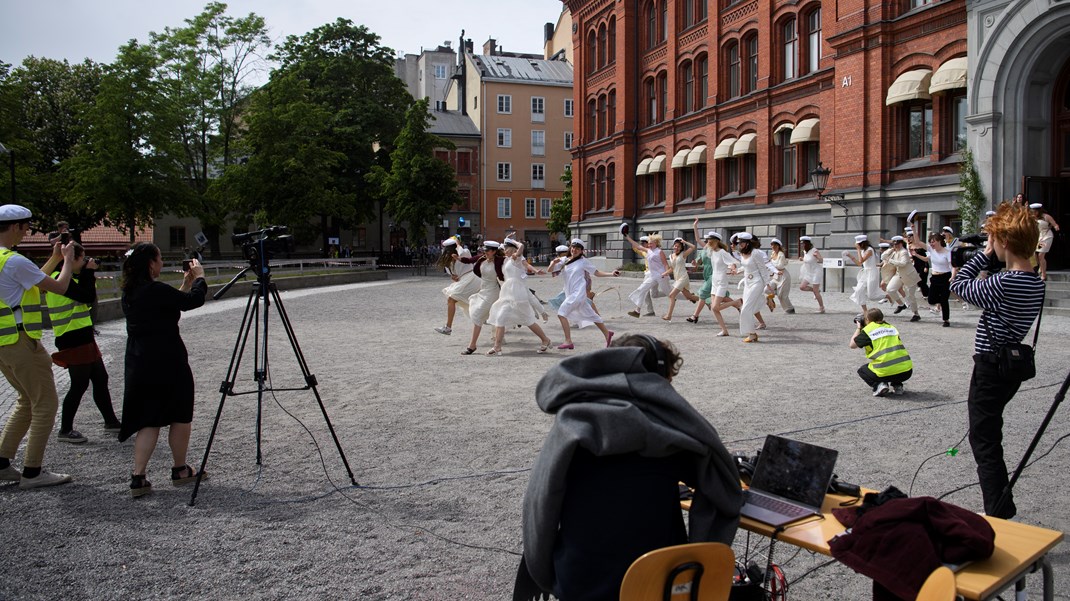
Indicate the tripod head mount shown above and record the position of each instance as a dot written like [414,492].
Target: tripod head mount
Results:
[260,246]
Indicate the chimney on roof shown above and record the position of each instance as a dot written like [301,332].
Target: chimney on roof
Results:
[548,32]
[462,77]
[490,47]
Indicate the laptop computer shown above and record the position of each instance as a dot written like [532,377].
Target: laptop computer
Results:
[789,482]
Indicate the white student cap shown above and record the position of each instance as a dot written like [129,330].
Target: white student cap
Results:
[623,228]
[898,239]
[884,245]
[11,213]
[910,217]
[989,213]
[947,228]
[675,240]
[644,238]
[561,248]
[449,242]
[776,241]
[578,242]
[805,239]
[1035,205]
[712,234]
[744,236]
[861,238]
[511,242]
[491,244]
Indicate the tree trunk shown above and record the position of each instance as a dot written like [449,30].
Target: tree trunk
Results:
[212,233]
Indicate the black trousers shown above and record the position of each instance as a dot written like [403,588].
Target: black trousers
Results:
[989,394]
[939,292]
[872,379]
[81,376]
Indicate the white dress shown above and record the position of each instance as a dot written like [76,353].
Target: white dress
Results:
[576,308]
[513,307]
[721,260]
[654,281]
[868,287]
[479,303]
[756,274]
[1046,236]
[467,285]
[681,281]
[782,281]
[811,268]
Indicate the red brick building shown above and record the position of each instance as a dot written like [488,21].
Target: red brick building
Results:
[720,110]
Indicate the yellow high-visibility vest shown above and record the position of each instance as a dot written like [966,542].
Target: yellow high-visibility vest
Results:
[67,314]
[886,353]
[32,319]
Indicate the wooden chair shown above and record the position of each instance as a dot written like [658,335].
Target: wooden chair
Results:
[695,572]
[939,586]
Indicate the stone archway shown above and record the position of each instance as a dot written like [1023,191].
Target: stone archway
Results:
[1015,60]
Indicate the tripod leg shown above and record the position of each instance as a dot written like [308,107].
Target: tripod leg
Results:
[227,386]
[310,379]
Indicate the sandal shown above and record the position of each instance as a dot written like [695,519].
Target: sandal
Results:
[566,346]
[545,346]
[185,475]
[494,352]
[751,338]
[692,320]
[139,486]
[723,333]
[468,351]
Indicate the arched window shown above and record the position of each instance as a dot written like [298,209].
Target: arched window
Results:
[592,185]
[687,91]
[592,53]
[663,95]
[790,43]
[612,56]
[664,20]
[651,25]
[750,68]
[611,176]
[813,40]
[702,68]
[611,119]
[602,35]
[651,100]
[592,120]
[732,69]
[601,201]
[601,116]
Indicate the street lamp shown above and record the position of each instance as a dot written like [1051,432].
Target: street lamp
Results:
[8,151]
[819,177]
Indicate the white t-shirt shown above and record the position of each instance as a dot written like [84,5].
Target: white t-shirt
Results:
[18,276]
[939,259]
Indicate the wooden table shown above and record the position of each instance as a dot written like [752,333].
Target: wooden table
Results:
[1019,549]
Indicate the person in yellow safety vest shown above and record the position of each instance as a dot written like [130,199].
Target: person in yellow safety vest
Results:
[889,362]
[23,359]
[78,351]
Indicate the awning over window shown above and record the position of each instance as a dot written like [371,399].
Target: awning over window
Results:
[808,130]
[746,144]
[950,75]
[657,165]
[724,149]
[680,158]
[912,85]
[697,155]
[643,166]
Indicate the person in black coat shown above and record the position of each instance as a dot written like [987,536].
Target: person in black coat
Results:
[159,382]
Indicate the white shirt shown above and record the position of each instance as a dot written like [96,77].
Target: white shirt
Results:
[18,276]
[939,259]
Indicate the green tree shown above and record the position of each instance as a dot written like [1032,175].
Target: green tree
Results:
[561,209]
[418,187]
[972,202]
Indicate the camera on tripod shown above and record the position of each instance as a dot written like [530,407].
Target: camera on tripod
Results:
[264,244]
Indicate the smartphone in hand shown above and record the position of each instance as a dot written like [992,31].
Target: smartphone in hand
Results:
[187,264]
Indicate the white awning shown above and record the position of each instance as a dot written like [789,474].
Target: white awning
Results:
[680,158]
[746,144]
[643,167]
[724,149]
[950,75]
[808,130]
[780,128]
[657,165]
[912,85]
[697,155]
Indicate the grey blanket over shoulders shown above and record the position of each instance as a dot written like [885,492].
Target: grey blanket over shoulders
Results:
[608,403]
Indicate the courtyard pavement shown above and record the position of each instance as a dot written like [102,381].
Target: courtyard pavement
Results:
[441,445]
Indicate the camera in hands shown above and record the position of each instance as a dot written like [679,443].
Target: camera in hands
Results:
[968,248]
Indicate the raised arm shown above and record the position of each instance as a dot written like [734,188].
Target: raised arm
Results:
[635,245]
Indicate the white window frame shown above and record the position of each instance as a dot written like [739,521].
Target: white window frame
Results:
[568,140]
[545,206]
[529,208]
[441,68]
[505,104]
[505,207]
[570,107]
[538,183]
[505,137]
[538,148]
[505,172]
[538,109]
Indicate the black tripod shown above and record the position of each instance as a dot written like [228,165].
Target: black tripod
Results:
[263,293]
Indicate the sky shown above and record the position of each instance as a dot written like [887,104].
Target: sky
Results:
[79,29]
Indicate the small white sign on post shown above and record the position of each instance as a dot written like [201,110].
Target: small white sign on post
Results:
[333,241]
[832,263]
[201,238]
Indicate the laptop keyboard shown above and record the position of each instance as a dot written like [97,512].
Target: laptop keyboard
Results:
[777,506]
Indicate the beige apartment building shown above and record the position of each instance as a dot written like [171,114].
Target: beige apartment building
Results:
[522,104]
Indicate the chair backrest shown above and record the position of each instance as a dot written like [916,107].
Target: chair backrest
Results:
[673,574]
[939,586]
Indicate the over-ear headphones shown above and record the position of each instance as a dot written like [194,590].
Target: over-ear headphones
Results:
[661,366]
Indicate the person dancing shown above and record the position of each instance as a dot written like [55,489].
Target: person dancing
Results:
[868,288]
[939,259]
[782,279]
[655,279]
[757,278]
[811,271]
[513,307]
[457,261]
[1045,224]
[681,249]
[577,307]
[488,268]
[905,281]
[716,260]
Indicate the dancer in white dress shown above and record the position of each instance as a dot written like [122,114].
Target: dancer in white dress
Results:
[656,278]
[457,261]
[715,259]
[782,279]
[488,269]
[757,282]
[513,307]
[1045,223]
[905,281]
[681,249]
[887,271]
[554,269]
[577,307]
[810,273]
[868,289]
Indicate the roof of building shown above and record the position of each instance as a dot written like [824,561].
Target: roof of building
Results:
[452,123]
[523,69]
[95,239]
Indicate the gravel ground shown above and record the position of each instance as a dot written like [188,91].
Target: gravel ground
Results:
[441,445]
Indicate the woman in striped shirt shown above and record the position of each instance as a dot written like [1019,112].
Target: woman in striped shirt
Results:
[1011,300]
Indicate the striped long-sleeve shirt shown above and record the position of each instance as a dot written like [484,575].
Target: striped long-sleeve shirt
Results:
[1011,301]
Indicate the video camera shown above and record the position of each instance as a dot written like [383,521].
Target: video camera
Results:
[961,254]
[263,244]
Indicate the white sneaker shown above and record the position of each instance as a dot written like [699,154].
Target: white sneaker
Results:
[10,474]
[444,330]
[45,478]
[882,389]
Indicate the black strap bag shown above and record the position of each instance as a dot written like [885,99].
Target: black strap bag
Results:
[1017,361]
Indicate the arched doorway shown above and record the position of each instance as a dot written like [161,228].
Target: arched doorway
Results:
[1061,110]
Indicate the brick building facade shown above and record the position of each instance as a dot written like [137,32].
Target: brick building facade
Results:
[719,110]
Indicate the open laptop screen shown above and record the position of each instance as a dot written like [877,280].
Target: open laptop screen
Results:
[794,470]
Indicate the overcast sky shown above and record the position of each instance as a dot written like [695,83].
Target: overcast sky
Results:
[79,29]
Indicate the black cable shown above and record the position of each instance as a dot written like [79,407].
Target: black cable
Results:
[955,446]
[812,570]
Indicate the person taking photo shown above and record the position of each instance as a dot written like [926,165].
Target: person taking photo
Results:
[889,362]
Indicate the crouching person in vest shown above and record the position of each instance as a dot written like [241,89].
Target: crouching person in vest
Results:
[889,363]
[23,358]
[78,351]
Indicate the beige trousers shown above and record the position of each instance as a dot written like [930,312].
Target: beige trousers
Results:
[28,368]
